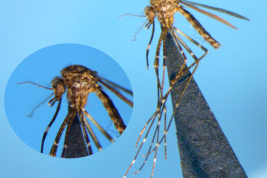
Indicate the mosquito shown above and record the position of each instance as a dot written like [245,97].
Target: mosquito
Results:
[164,10]
[78,82]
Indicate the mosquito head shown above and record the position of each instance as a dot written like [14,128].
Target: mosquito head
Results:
[150,14]
[59,88]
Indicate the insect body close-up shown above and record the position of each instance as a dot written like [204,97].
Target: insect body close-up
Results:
[82,89]
[164,11]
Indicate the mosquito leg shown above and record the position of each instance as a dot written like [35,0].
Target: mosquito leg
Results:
[92,134]
[144,129]
[155,157]
[181,72]
[98,126]
[181,51]
[159,115]
[165,138]
[153,138]
[66,138]
[112,110]
[49,125]
[164,62]
[155,114]
[148,46]
[85,133]
[169,124]
[70,116]
[176,105]
[193,41]
[156,63]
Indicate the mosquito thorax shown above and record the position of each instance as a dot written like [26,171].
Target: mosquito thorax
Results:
[80,81]
[165,11]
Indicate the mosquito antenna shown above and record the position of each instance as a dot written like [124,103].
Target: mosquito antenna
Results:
[36,85]
[30,115]
[132,15]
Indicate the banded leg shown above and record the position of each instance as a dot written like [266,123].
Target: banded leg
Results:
[150,41]
[181,72]
[92,134]
[164,61]
[178,40]
[85,133]
[177,104]
[153,117]
[156,63]
[98,126]
[165,130]
[67,137]
[49,125]
[199,28]
[112,110]
[144,128]
[161,107]
[156,132]
[71,114]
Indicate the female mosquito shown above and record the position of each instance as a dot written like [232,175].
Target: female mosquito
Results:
[164,10]
[79,82]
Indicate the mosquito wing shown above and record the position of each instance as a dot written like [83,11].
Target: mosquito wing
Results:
[117,86]
[213,8]
[114,88]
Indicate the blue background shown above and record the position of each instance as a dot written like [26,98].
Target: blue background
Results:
[233,80]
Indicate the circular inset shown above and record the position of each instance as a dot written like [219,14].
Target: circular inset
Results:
[63,76]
